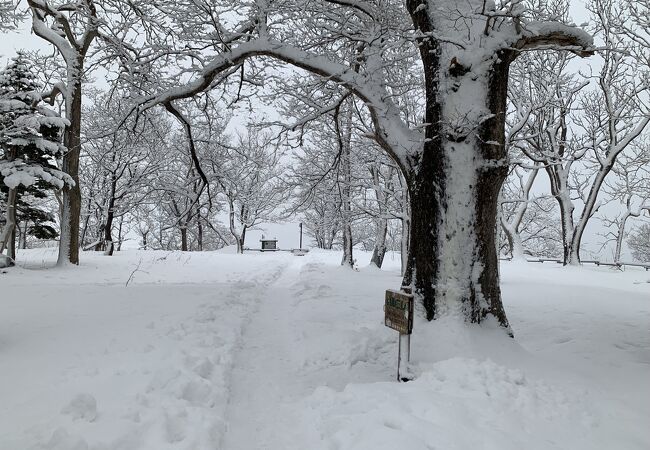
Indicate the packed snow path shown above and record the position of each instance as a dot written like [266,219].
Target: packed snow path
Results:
[269,351]
[266,376]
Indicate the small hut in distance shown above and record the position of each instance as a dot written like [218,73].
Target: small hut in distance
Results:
[269,245]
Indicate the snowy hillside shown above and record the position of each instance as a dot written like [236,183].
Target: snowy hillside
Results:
[215,350]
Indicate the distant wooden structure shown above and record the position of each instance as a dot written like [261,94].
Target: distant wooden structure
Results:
[269,245]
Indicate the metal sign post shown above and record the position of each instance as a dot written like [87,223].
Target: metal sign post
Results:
[398,315]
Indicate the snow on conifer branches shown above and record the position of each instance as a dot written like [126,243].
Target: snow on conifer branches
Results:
[30,133]
[30,141]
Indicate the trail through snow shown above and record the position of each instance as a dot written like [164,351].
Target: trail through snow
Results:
[315,329]
[266,377]
[216,351]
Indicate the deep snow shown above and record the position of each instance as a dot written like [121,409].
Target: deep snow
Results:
[270,351]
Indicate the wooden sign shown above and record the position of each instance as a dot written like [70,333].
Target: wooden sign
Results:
[398,311]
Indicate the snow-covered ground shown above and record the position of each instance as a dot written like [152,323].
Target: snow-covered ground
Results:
[271,351]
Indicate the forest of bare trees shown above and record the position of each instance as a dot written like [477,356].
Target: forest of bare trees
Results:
[452,134]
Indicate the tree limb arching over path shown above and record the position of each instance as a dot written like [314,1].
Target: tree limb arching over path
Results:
[454,162]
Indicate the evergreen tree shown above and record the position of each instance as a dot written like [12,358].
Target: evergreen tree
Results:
[30,144]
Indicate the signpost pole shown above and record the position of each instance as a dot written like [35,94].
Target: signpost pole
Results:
[403,357]
[404,352]
[398,312]
[300,247]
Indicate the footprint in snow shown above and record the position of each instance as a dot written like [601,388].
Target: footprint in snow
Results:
[82,406]
[62,440]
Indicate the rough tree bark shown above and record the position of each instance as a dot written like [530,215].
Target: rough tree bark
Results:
[11,250]
[379,250]
[199,235]
[381,223]
[453,263]
[7,234]
[118,247]
[239,237]
[71,210]
[110,216]
[183,228]
[406,226]
[344,133]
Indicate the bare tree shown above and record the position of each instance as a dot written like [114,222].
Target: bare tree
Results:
[613,116]
[546,136]
[9,15]
[250,183]
[578,132]
[516,196]
[121,161]
[179,201]
[631,187]
[454,161]
[71,28]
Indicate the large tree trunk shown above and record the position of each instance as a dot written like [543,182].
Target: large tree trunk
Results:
[199,239]
[10,222]
[84,230]
[240,239]
[381,227]
[183,237]
[619,237]
[453,266]
[71,207]
[405,240]
[347,259]
[110,215]
[345,188]
[379,250]
[570,254]
[11,251]
[515,244]
[23,234]
[118,247]
[108,233]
